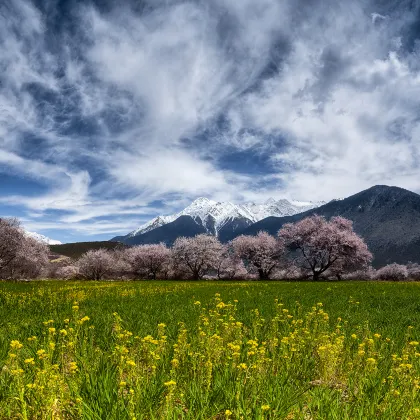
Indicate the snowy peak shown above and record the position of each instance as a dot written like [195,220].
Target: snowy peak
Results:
[213,215]
[42,238]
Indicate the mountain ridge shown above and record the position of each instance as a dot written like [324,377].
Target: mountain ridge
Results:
[222,217]
[387,217]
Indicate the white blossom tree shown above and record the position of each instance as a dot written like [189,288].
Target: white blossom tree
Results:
[96,264]
[20,255]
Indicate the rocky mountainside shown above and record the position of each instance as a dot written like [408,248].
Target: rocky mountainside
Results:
[388,218]
[222,219]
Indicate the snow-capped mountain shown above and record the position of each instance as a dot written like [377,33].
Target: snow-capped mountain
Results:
[214,215]
[42,238]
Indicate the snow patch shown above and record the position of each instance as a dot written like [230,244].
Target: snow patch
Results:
[202,209]
[42,238]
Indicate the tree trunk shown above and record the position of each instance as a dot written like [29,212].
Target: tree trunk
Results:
[263,275]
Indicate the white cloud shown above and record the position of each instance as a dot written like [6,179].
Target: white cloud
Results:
[333,81]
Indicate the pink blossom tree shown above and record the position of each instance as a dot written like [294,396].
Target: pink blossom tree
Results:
[96,264]
[393,272]
[319,245]
[229,265]
[197,255]
[149,260]
[263,253]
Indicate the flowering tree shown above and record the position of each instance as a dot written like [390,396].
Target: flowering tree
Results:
[368,273]
[149,260]
[319,245]
[394,272]
[11,240]
[229,265]
[413,271]
[196,255]
[67,272]
[96,264]
[20,256]
[261,252]
[31,259]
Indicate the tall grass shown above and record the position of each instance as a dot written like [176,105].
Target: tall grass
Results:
[162,350]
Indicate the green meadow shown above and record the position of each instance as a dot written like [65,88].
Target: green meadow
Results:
[209,350]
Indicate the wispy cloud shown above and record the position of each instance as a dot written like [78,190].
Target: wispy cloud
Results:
[114,110]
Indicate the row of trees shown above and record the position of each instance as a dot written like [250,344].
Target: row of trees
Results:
[311,248]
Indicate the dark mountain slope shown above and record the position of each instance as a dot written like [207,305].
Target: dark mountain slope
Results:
[233,227]
[76,249]
[388,218]
[183,226]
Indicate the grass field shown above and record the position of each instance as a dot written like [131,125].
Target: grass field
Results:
[209,350]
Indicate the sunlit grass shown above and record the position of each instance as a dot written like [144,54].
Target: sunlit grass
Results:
[215,350]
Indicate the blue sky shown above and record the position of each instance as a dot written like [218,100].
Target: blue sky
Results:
[112,112]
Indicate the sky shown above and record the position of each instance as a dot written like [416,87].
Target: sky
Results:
[112,112]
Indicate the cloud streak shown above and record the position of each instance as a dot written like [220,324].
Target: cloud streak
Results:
[126,111]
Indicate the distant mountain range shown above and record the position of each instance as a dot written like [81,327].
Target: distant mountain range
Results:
[221,219]
[388,218]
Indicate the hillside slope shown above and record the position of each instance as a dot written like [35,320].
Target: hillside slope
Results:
[388,218]
[76,249]
[183,226]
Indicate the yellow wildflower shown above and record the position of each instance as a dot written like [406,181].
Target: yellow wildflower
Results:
[170,383]
[16,345]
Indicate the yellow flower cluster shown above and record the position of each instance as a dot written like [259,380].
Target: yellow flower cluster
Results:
[217,353]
